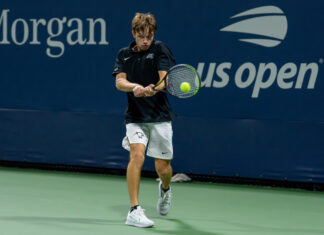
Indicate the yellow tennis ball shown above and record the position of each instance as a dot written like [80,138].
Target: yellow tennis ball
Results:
[185,87]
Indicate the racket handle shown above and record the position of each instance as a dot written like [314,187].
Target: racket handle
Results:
[159,90]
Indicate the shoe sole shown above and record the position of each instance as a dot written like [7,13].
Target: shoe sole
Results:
[138,225]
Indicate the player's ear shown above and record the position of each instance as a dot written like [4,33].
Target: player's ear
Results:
[134,34]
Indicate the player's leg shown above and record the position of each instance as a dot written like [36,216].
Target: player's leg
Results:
[135,141]
[164,171]
[160,147]
[136,160]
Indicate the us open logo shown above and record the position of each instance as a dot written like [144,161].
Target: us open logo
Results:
[267,25]
[264,26]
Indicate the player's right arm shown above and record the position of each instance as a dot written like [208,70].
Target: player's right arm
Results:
[123,84]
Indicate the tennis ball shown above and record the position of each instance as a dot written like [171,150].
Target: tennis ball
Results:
[185,87]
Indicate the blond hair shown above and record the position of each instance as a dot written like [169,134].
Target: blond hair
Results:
[144,22]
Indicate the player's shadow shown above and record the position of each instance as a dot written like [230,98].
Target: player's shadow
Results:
[182,228]
[59,220]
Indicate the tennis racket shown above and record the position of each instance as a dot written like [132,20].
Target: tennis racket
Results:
[179,77]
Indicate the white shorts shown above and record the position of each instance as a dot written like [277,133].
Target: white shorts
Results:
[156,136]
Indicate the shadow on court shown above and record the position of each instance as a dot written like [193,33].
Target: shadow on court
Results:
[237,228]
[182,228]
[60,220]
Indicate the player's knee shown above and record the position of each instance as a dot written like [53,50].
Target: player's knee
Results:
[137,157]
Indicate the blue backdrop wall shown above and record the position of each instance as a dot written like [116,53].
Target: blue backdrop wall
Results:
[259,113]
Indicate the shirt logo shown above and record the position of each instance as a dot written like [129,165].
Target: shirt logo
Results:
[271,23]
[127,58]
[150,56]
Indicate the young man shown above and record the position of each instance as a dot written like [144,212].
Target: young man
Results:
[148,116]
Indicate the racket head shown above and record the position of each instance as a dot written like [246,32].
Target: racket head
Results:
[182,73]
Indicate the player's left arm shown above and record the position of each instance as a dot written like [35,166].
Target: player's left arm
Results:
[162,74]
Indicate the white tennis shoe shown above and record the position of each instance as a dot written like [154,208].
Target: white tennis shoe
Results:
[164,202]
[138,218]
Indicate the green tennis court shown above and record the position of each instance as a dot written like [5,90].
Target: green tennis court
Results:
[49,202]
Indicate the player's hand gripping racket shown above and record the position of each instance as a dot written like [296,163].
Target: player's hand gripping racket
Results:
[181,80]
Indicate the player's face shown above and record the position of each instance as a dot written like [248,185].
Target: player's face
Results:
[143,39]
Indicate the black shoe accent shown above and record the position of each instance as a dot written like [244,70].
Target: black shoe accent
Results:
[165,190]
[133,208]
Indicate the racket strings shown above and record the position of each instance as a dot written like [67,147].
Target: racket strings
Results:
[181,74]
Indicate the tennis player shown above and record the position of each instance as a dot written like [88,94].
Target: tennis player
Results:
[148,116]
